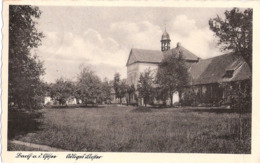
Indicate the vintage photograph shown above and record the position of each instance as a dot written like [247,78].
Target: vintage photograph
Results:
[130,79]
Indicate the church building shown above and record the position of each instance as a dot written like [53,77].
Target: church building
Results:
[206,74]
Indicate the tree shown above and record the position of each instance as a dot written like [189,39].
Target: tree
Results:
[62,91]
[235,32]
[120,87]
[172,76]
[160,93]
[105,91]
[25,88]
[145,86]
[122,90]
[88,86]
[130,91]
[116,84]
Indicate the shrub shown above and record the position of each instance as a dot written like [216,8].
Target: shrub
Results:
[241,98]
[189,98]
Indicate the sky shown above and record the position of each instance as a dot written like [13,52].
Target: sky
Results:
[102,37]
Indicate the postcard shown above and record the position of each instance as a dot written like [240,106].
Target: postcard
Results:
[128,81]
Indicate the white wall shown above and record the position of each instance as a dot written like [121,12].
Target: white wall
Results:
[145,66]
[175,97]
[47,100]
[134,71]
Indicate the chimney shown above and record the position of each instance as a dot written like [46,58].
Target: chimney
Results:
[178,44]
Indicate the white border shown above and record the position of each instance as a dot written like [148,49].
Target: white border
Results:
[145,157]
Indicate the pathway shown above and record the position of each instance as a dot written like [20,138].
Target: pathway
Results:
[38,146]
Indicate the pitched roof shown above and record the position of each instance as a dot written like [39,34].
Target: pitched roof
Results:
[156,56]
[143,55]
[186,54]
[213,70]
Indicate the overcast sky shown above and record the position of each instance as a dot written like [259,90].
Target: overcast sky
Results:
[102,37]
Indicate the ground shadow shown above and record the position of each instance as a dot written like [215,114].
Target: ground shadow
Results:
[23,122]
[73,106]
[215,110]
[207,109]
[161,107]
[141,109]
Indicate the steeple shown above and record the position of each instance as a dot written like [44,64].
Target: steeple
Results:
[165,41]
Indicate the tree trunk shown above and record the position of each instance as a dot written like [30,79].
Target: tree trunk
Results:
[180,99]
[164,103]
[240,126]
[129,99]
[171,95]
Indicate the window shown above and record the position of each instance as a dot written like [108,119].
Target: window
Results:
[229,74]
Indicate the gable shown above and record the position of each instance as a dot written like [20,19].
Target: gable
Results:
[131,58]
[144,56]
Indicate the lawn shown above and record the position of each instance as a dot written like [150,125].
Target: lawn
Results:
[119,129]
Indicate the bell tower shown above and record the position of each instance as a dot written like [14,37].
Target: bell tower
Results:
[165,41]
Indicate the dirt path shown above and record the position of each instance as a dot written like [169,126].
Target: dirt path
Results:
[38,146]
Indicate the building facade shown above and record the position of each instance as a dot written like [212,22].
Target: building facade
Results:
[207,76]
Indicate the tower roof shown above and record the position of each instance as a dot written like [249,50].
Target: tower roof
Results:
[165,36]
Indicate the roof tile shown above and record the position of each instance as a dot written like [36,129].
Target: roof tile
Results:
[213,70]
[156,56]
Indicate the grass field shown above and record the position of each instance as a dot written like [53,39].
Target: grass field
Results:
[119,129]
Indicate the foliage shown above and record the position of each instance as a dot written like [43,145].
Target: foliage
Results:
[189,97]
[160,94]
[25,86]
[22,122]
[145,87]
[116,84]
[242,98]
[235,32]
[62,91]
[106,91]
[172,75]
[120,87]
[88,86]
[131,89]
[130,93]
[122,90]
[239,95]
